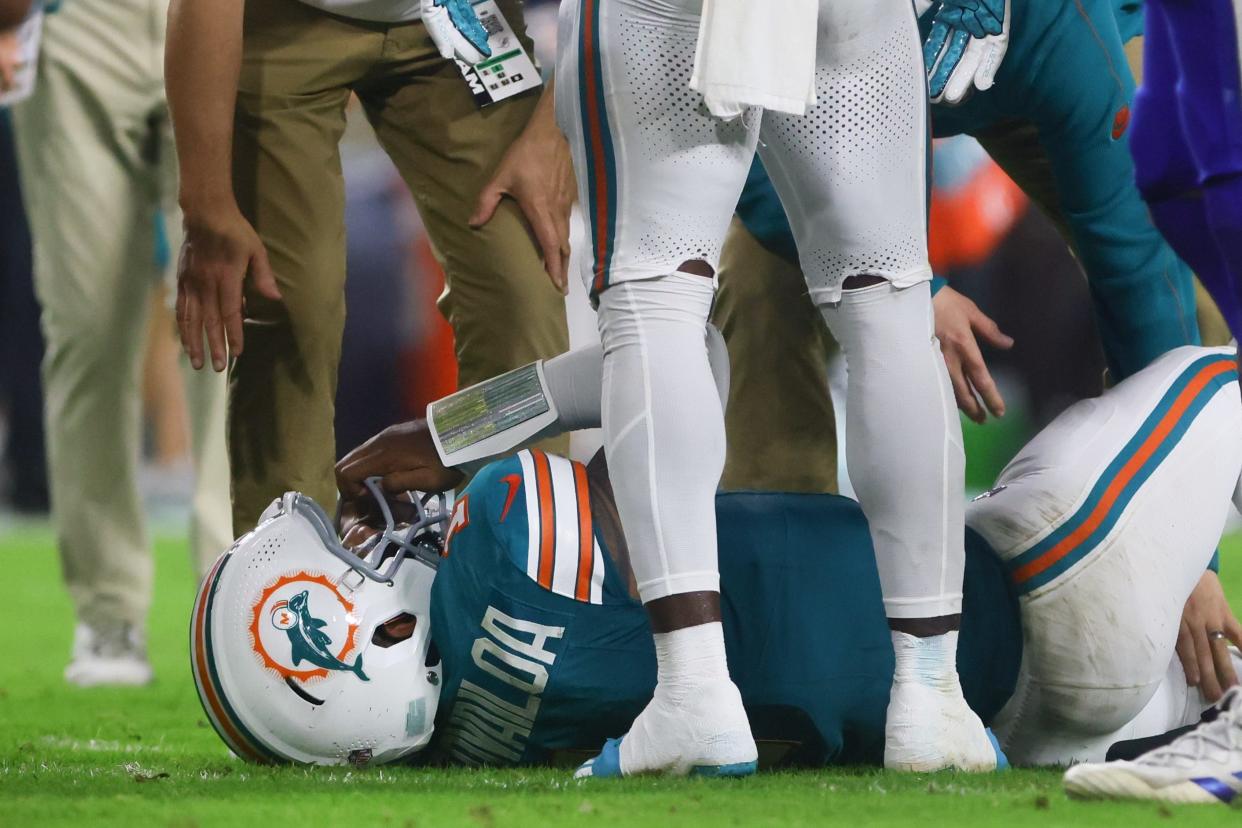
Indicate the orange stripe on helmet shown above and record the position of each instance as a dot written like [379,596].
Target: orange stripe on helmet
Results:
[208,691]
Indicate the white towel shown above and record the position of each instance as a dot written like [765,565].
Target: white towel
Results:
[756,53]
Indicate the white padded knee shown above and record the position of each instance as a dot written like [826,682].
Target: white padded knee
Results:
[663,429]
[904,445]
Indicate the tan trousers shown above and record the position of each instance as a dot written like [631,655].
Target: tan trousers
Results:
[779,421]
[96,157]
[300,67]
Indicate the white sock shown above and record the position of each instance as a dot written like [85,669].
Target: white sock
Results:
[930,661]
[929,725]
[689,657]
[663,429]
[904,446]
[696,716]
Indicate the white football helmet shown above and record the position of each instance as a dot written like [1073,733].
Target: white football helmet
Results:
[305,651]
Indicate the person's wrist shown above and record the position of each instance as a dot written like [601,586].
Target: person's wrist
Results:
[533,137]
[542,127]
[201,203]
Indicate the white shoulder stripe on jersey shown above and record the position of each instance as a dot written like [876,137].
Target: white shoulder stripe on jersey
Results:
[565,496]
[566,546]
[532,514]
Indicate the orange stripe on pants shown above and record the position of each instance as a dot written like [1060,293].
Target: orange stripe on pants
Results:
[1126,474]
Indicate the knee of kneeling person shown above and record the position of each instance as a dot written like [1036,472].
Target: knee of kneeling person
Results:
[1090,675]
[1096,711]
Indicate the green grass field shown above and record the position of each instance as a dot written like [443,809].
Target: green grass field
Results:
[148,757]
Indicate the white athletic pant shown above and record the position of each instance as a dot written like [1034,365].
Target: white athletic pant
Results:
[659,176]
[1105,522]
[659,179]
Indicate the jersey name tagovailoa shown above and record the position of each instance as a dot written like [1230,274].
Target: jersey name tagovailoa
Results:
[497,704]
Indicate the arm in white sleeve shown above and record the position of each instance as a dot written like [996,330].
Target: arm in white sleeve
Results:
[544,399]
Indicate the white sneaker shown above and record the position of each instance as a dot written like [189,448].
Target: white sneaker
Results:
[929,726]
[701,733]
[1204,765]
[113,656]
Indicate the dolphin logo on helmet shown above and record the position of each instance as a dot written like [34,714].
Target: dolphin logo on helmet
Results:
[310,643]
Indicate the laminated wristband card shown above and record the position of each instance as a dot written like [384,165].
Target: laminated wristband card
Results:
[509,71]
[492,417]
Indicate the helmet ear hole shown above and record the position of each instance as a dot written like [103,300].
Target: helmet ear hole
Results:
[395,630]
[433,655]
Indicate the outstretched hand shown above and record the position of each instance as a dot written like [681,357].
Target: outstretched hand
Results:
[220,249]
[538,174]
[959,326]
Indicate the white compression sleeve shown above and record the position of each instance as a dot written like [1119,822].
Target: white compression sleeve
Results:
[904,446]
[663,429]
[575,384]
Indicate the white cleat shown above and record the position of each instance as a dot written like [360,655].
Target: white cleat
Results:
[931,729]
[113,656]
[1202,766]
[929,726]
[703,732]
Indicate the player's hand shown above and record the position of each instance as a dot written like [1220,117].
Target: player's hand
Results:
[405,458]
[538,174]
[965,47]
[1206,658]
[357,531]
[220,249]
[959,326]
[455,29]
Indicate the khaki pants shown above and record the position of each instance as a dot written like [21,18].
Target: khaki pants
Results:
[779,421]
[96,157]
[300,67]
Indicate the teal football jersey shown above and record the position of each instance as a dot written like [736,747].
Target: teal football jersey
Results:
[546,653]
